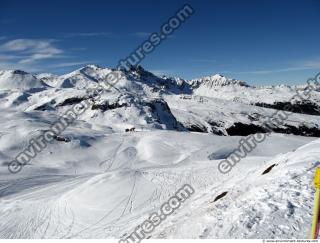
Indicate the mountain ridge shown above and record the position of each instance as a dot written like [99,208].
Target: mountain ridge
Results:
[213,104]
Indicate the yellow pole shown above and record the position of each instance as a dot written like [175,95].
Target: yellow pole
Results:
[316,205]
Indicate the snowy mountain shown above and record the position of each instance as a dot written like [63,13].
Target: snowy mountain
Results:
[97,180]
[217,80]
[17,79]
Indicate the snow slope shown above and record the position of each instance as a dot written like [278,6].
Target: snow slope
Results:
[101,182]
[16,79]
[105,186]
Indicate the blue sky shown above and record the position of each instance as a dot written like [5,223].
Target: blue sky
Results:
[261,42]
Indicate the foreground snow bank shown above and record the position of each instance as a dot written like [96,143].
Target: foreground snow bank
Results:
[277,204]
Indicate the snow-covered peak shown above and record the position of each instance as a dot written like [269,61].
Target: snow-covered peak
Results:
[17,79]
[90,68]
[216,77]
[216,80]
[139,79]
[93,66]
[45,75]
[82,77]
[139,72]
[86,69]
[178,80]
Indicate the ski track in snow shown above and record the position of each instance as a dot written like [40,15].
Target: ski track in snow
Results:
[117,197]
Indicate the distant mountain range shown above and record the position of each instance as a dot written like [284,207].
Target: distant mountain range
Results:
[213,104]
[142,139]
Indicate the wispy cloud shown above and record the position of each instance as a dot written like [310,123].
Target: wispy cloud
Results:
[29,50]
[90,34]
[298,66]
[138,34]
[313,64]
[144,35]
[38,55]
[70,64]
[6,57]
[26,54]
[3,38]
[268,71]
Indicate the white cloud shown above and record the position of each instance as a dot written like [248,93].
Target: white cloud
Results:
[314,64]
[29,55]
[280,70]
[70,64]
[29,50]
[298,66]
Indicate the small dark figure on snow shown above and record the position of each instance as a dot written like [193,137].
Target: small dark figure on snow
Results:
[130,129]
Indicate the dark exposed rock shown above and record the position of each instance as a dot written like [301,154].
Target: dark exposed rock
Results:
[106,106]
[44,107]
[72,101]
[220,196]
[301,130]
[61,139]
[163,115]
[240,129]
[255,116]
[302,107]
[20,72]
[157,84]
[196,128]
[266,171]
[216,127]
